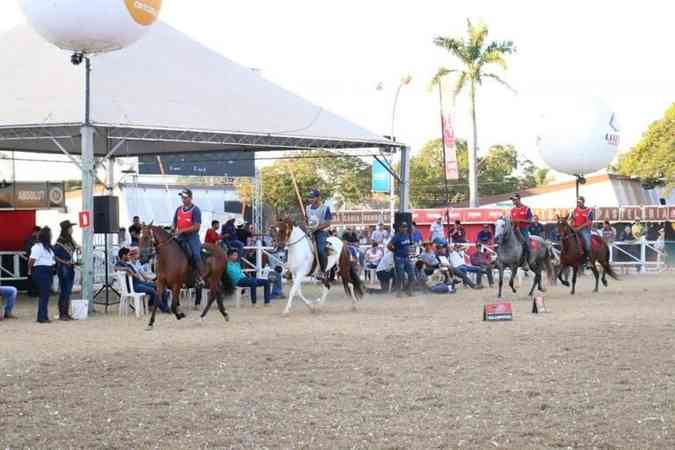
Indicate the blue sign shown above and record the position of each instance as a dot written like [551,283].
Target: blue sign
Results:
[380,177]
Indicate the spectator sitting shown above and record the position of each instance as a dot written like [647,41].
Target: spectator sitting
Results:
[429,258]
[484,235]
[9,294]
[457,233]
[385,271]
[140,284]
[458,263]
[483,259]
[373,256]
[135,231]
[230,236]
[637,229]
[240,280]
[536,228]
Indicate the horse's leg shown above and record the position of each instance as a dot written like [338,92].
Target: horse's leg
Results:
[596,274]
[501,281]
[354,300]
[575,269]
[514,271]
[174,302]
[160,291]
[560,273]
[209,302]
[324,295]
[291,294]
[221,307]
[537,280]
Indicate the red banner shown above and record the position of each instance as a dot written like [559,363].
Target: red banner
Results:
[449,144]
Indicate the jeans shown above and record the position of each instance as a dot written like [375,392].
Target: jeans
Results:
[585,236]
[253,283]
[385,276]
[238,246]
[151,291]
[479,271]
[321,240]
[195,246]
[66,278]
[404,266]
[9,294]
[42,276]
[277,289]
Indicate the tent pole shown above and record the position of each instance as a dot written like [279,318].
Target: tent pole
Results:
[87,141]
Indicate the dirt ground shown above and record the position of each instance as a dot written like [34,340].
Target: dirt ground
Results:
[597,371]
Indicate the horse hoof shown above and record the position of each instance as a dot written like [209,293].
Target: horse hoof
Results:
[202,320]
[596,290]
[227,318]
[180,316]
[149,328]
[565,283]
[604,283]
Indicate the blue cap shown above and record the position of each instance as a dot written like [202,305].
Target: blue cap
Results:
[314,194]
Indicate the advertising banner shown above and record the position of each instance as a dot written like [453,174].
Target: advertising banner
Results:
[380,178]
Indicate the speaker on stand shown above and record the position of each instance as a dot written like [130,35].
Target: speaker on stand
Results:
[106,221]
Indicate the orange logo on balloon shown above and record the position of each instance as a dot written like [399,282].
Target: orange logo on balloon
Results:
[144,12]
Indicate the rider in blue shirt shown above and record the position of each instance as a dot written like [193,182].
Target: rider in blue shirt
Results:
[319,219]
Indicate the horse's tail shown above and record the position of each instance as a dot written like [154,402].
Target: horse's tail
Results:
[219,254]
[226,282]
[606,265]
[353,278]
[549,257]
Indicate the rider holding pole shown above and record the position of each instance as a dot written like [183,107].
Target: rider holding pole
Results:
[319,220]
[521,217]
[187,221]
[582,222]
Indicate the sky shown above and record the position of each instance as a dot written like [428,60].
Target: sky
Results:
[335,54]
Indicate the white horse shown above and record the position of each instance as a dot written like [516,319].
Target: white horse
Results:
[301,261]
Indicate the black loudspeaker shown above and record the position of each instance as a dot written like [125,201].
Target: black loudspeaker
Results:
[400,217]
[233,207]
[106,215]
[662,201]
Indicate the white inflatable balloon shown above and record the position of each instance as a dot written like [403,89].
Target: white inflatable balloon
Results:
[91,26]
[578,136]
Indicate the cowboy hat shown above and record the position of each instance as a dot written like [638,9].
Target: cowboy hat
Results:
[66,224]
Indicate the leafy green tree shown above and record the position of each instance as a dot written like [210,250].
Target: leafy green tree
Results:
[345,179]
[653,158]
[498,174]
[476,58]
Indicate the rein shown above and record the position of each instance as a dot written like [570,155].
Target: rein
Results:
[304,236]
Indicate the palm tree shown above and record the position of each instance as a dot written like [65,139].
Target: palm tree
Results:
[477,57]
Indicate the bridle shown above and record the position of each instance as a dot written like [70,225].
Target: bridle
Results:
[291,244]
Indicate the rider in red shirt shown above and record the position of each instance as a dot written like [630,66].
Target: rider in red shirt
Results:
[582,223]
[521,217]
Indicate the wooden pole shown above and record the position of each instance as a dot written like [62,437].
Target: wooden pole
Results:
[297,192]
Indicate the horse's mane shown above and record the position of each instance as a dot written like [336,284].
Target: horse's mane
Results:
[161,231]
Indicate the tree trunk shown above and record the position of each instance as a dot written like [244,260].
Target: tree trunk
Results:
[474,201]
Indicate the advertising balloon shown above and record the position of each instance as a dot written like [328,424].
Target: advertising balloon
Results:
[578,136]
[91,26]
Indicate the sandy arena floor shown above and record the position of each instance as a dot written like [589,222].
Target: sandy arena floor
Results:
[598,371]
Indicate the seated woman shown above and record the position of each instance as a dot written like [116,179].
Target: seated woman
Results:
[140,283]
[241,280]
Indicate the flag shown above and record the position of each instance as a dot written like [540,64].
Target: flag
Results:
[449,147]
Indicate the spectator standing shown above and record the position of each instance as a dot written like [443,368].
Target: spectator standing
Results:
[484,235]
[240,280]
[415,235]
[400,246]
[438,232]
[373,256]
[457,234]
[64,253]
[8,293]
[41,268]
[536,228]
[378,235]
[27,247]
[212,236]
[608,233]
[135,231]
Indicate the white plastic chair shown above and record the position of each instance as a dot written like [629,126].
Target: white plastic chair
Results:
[127,294]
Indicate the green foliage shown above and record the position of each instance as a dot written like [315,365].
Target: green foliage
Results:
[345,179]
[497,174]
[653,157]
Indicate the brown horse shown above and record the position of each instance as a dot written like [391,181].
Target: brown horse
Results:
[572,255]
[173,271]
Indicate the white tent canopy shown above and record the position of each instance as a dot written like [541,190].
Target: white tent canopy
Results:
[167,93]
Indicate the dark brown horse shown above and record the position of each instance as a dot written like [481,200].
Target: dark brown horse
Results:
[172,270]
[572,255]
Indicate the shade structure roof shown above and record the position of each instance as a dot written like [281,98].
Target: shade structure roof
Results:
[165,94]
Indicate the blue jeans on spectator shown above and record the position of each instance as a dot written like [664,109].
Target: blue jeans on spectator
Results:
[254,283]
[66,279]
[9,294]
[43,276]
[238,246]
[472,269]
[151,291]
[404,266]
[277,287]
